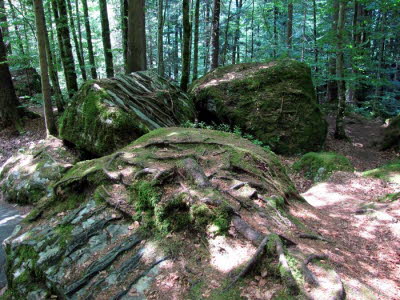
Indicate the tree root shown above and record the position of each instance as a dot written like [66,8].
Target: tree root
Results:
[143,172]
[308,275]
[120,205]
[287,275]
[313,237]
[195,172]
[251,263]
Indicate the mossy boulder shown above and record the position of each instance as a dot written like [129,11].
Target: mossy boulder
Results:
[319,166]
[26,81]
[391,135]
[155,215]
[273,101]
[107,114]
[25,177]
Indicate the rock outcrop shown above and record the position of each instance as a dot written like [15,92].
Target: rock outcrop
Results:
[171,216]
[26,176]
[273,101]
[26,82]
[107,114]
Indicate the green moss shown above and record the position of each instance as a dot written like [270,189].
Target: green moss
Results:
[390,197]
[319,166]
[172,215]
[72,201]
[144,196]
[64,232]
[389,172]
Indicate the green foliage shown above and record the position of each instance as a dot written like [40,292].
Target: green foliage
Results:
[226,128]
[319,166]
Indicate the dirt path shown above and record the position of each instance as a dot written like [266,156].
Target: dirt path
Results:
[365,234]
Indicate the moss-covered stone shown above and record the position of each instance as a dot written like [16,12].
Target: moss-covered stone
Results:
[27,175]
[107,114]
[98,235]
[319,166]
[391,135]
[273,101]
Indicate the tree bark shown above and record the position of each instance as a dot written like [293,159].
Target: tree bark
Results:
[136,36]
[289,36]
[3,21]
[79,54]
[226,42]
[340,131]
[186,46]
[160,42]
[78,23]
[215,35]
[8,99]
[235,47]
[196,40]
[274,51]
[17,32]
[41,34]
[89,40]
[332,88]
[124,29]
[67,58]
[105,34]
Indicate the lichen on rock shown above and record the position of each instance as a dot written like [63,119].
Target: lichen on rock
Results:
[107,114]
[273,101]
[26,176]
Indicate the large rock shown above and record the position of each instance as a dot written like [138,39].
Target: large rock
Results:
[273,101]
[391,135]
[26,176]
[107,114]
[26,82]
[170,216]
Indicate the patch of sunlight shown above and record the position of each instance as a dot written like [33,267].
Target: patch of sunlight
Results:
[228,254]
[173,133]
[326,194]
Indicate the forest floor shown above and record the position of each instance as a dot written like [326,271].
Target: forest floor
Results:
[365,233]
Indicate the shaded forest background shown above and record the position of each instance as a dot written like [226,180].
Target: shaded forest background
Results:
[88,39]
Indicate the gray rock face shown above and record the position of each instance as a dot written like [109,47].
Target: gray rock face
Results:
[25,177]
[85,254]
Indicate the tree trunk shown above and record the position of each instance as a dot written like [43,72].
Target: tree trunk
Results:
[67,57]
[78,23]
[105,34]
[332,88]
[89,40]
[160,42]
[196,40]
[252,33]
[215,35]
[136,36]
[235,47]
[124,29]
[340,131]
[226,43]
[289,37]
[315,36]
[176,46]
[54,76]
[41,34]
[207,30]
[16,28]
[8,99]
[3,21]
[186,46]
[79,54]
[275,31]
[303,46]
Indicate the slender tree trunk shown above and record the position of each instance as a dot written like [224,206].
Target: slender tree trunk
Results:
[381,55]
[16,28]
[332,87]
[160,42]
[54,76]
[8,98]
[124,29]
[275,31]
[208,35]
[176,46]
[196,40]
[41,34]
[65,46]
[340,131]
[186,46]
[289,36]
[79,54]
[252,33]
[136,36]
[303,46]
[78,23]
[235,48]
[315,36]
[226,43]
[215,35]
[105,34]
[89,40]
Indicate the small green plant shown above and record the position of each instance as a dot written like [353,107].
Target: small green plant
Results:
[235,130]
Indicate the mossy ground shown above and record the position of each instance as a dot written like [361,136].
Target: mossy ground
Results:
[318,166]
[391,138]
[389,172]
